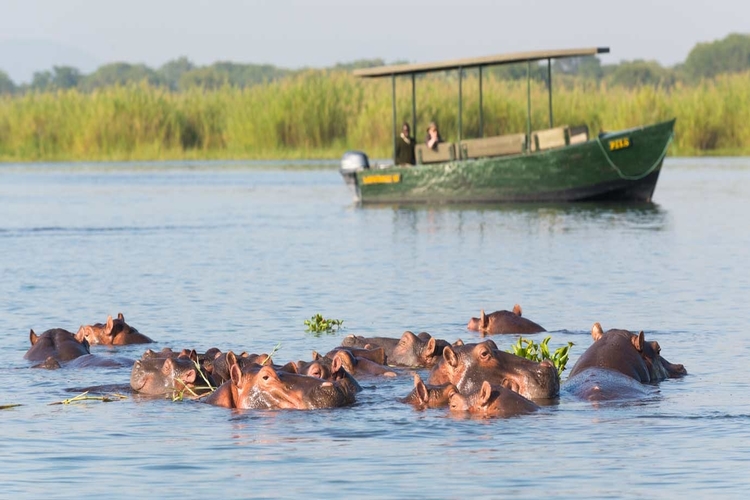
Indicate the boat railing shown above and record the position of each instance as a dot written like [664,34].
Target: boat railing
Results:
[501,145]
[445,151]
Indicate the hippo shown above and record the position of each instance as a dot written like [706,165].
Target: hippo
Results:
[503,322]
[409,350]
[492,401]
[58,344]
[170,376]
[262,387]
[113,332]
[360,367]
[327,369]
[376,354]
[429,396]
[617,365]
[218,367]
[469,365]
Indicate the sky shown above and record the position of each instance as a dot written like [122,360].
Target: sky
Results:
[37,34]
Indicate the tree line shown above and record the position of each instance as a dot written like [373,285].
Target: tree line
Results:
[705,61]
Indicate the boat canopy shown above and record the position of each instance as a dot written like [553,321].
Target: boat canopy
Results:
[475,62]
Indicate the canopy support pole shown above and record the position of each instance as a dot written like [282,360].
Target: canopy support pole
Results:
[481,112]
[549,86]
[393,103]
[528,104]
[413,105]
[460,100]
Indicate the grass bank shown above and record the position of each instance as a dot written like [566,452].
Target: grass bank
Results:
[321,114]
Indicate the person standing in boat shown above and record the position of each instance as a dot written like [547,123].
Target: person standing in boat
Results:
[405,147]
[433,136]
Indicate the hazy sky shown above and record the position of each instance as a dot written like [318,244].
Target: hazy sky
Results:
[35,34]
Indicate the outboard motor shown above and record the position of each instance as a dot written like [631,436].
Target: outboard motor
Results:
[351,163]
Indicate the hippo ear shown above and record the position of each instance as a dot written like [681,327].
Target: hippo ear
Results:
[458,343]
[33,337]
[193,356]
[596,332]
[231,359]
[290,367]
[421,390]
[316,356]
[638,341]
[408,336]
[109,326]
[517,310]
[120,317]
[450,357]
[235,374]
[336,364]
[483,320]
[430,348]
[485,393]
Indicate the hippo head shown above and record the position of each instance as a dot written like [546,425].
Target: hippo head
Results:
[655,366]
[417,350]
[482,323]
[113,332]
[492,401]
[320,367]
[469,365]
[429,396]
[57,343]
[160,376]
[262,387]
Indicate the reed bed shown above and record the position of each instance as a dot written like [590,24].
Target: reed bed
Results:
[320,114]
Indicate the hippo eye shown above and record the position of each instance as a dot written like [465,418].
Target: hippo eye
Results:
[485,354]
[265,377]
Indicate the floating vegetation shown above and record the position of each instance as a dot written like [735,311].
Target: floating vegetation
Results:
[319,324]
[269,359]
[528,349]
[5,407]
[85,397]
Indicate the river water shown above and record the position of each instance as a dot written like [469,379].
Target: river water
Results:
[238,255]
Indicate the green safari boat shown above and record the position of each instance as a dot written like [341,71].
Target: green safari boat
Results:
[560,163]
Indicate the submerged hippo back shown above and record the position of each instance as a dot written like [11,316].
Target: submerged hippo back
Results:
[627,353]
[57,343]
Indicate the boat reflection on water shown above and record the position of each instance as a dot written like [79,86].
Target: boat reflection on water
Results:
[528,217]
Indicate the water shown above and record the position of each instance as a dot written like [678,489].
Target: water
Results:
[238,256]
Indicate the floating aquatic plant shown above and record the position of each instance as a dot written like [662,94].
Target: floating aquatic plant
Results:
[319,324]
[529,349]
[85,397]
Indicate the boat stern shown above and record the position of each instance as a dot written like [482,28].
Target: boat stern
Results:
[351,163]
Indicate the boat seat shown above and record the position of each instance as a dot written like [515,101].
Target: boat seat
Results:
[578,134]
[550,138]
[493,146]
[446,151]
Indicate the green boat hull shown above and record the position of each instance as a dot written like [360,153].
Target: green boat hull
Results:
[623,166]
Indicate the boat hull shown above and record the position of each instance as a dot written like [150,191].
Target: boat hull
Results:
[621,166]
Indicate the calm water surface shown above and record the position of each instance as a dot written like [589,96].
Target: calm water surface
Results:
[238,256]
